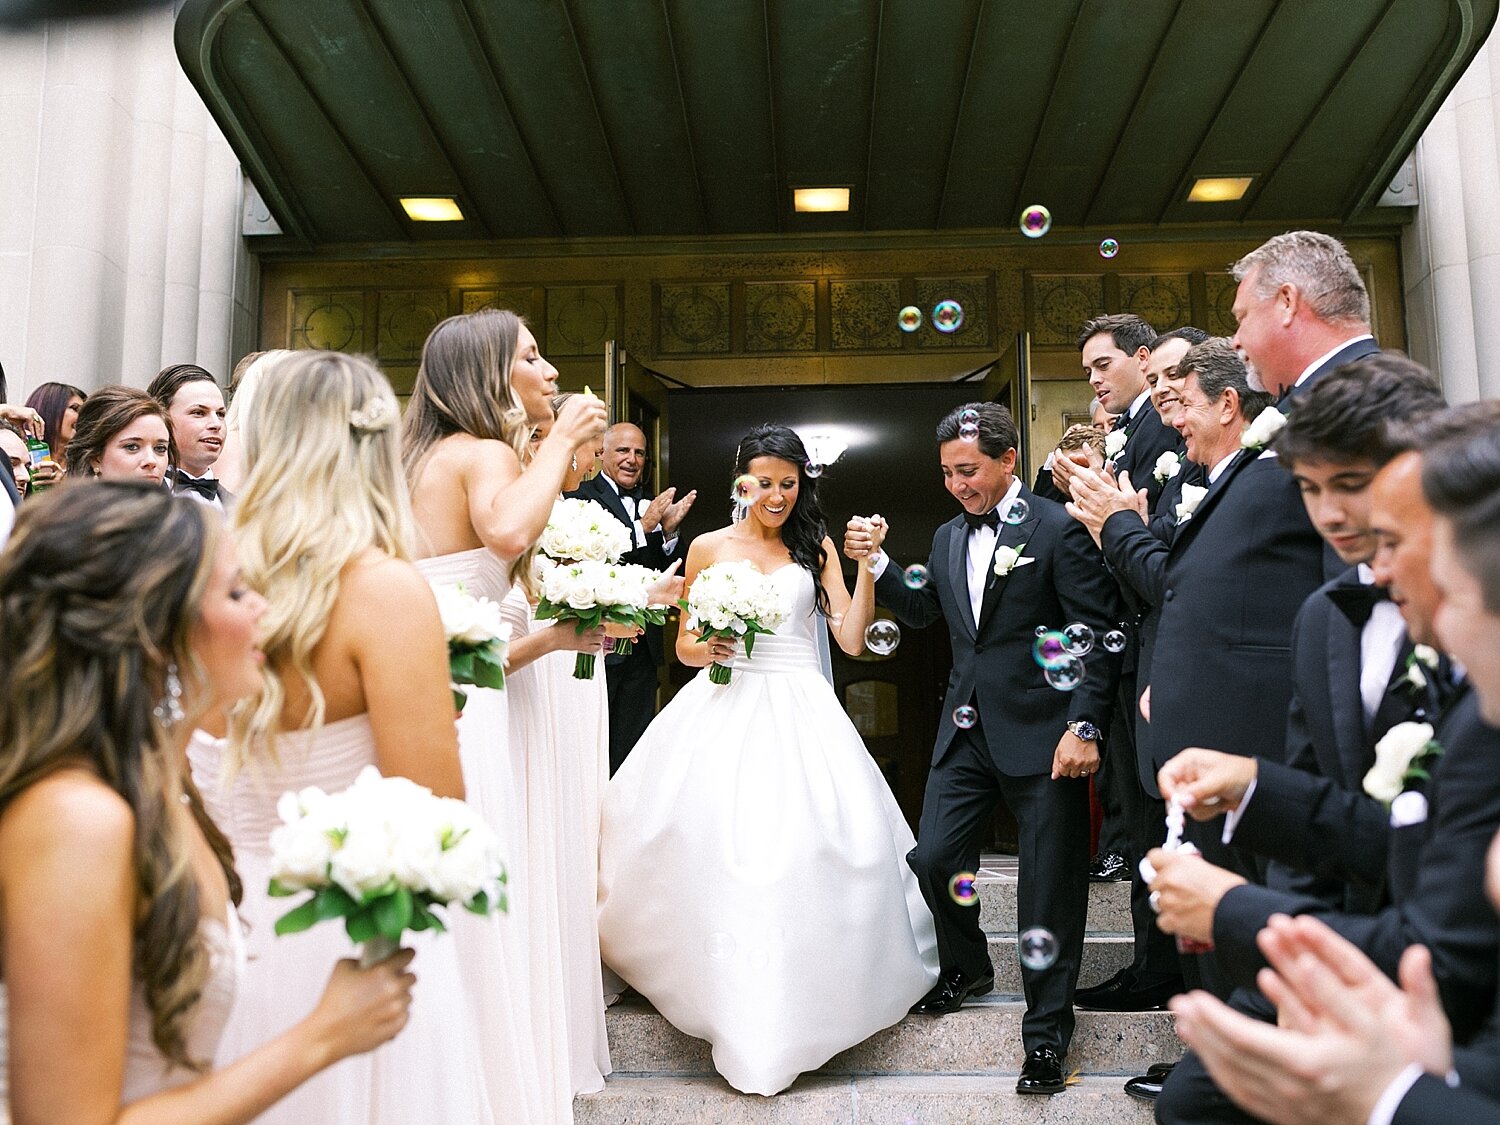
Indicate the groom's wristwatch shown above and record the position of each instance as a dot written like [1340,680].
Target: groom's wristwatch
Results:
[1084,730]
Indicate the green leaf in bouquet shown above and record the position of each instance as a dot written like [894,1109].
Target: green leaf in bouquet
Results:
[299,918]
[461,667]
[749,642]
[393,913]
[278,889]
[488,671]
[360,926]
[459,699]
[654,614]
[425,918]
[546,610]
[334,902]
[479,904]
[388,887]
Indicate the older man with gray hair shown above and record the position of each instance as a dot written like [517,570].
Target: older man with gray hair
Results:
[1302,310]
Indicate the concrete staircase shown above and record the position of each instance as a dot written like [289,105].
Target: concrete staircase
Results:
[950,1070]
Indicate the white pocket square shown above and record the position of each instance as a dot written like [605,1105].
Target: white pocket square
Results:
[1025,560]
[1408,808]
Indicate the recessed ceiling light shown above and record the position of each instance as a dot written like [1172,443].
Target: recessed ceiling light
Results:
[820,198]
[431,208]
[1219,189]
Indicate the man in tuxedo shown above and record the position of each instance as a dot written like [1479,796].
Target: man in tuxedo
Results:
[195,408]
[653,524]
[1426,848]
[1011,562]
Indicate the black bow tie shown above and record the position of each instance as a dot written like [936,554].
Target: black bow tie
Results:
[989,519]
[1121,421]
[1358,602]
[205,486]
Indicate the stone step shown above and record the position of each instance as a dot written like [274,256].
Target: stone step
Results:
[876,1100]
[981,1038]
[1103,956]
[1109,905]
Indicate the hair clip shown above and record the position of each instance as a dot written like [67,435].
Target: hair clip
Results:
[377,414]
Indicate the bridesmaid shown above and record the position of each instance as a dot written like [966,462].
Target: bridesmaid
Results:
[324,531]
[126,618]
[481,387]
[122,433]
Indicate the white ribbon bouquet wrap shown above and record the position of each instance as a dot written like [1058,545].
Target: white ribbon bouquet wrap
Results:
[386,855]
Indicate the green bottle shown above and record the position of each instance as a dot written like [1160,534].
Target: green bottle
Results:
[41,454]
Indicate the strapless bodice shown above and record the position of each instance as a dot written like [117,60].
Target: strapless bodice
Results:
[480,572]
[793,647]
[329,758]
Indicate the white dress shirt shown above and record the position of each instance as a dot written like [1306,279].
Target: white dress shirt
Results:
[1379,644]
[1326,356]
[7,511]
[982,542]
[633,509]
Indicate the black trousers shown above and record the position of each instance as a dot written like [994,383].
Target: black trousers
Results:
[632,701]
[1190,1096]
[1156,959]
[1118,782]
[1202,970]
[1053,819]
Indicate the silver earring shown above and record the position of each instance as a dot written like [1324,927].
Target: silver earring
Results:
[168,710]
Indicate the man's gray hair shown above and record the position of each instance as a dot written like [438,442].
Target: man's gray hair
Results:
[1320,268]
[1219,367]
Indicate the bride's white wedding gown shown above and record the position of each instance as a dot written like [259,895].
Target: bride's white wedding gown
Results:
[753,882]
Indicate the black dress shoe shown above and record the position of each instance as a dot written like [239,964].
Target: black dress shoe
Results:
[1042,1073]
[1108,867]
[1159,1070]
[950,993]
[1122,993]
[1146,1087]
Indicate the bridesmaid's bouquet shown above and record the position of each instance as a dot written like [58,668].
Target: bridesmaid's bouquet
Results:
[477,640]
[382,855]
[734,600]
[583,530]
[614,595]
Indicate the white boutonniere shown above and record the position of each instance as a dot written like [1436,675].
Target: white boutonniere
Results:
[1192,496]
[1400,756]
[1168,465]
[1008,558]
[1423,658]
[1259,433]
[1114,441]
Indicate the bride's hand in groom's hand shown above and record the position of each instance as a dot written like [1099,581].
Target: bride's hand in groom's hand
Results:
[1074,757]
[859,538]
[362,1008]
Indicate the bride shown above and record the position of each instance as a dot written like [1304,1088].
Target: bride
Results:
[753,881]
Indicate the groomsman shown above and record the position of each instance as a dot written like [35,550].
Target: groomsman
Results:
[1012,561]
[1428,847]
[631,678]
[195,408]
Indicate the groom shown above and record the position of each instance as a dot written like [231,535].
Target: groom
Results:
[997,573]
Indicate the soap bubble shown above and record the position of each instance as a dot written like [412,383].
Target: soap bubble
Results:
[909,318]
[1066,674]
[746,489]
[1018,512]
[719,946]
[1079,638]
[1050,648]
[1109,248]
[814,469]
[1042,630]
[882,637]
[1038,949]
[969,417]
[947,316]
[1036,221]
[915,576]
[961,889]
[968,431]
[1114,641]
[965,717]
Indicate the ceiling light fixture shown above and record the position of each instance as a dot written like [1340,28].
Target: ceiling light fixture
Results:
[431,208]
[1219,189]
[820,198]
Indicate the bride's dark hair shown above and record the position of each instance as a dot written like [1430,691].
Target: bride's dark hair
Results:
[805,529]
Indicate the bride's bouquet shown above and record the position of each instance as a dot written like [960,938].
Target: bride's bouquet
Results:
[382,855]
[477,640]
[614,595]
[583,530]
[734,600]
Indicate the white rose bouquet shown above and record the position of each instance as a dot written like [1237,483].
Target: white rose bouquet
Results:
[583,530]
[1401,755]
[734,600]
[614,595]
[382,855]
[477,640]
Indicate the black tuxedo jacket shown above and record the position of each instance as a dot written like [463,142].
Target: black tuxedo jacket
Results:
[1163,520]
[1022,716]
[1217,650]
[1433,868]
[652,553]
[1431,1100]
[1356,349]
[1146,439]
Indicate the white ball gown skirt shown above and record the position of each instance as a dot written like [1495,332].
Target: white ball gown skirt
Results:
[753,880]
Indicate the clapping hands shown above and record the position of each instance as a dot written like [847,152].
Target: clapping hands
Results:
[1097,495]
[667,512]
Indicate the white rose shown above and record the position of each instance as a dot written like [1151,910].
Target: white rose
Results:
[1416,677]
[1192,496]
[1394,754]
[1114,442]
[1267,425]
[1007,558]
[1168,465]
[300,855]
[1426,654]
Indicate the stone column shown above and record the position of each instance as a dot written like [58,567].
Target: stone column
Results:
[1451,251]
[120,249]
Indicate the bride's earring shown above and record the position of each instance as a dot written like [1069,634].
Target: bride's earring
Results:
[168,710]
